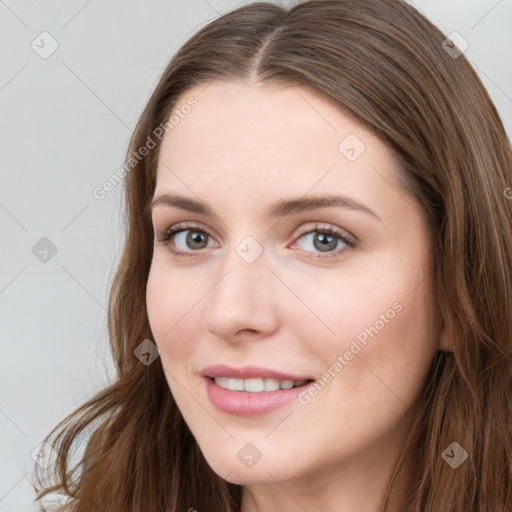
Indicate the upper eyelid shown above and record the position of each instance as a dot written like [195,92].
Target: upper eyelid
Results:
[186,226]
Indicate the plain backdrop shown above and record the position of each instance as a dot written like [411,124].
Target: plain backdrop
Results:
[66,118]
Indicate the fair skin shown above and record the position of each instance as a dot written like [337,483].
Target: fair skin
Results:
[295,308]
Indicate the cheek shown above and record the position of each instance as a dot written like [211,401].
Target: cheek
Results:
[384,336]
[172,307]
[379,317]
[158,303]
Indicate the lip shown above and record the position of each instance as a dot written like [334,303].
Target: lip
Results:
[250,372]
[245,403]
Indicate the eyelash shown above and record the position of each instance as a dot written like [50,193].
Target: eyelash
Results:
[185,226]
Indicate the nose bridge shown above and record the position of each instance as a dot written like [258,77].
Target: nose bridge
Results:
[242,280]
[244,269]
[242,296]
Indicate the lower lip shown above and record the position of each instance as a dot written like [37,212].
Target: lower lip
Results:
[245,403]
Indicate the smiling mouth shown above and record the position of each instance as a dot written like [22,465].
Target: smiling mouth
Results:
[257,385]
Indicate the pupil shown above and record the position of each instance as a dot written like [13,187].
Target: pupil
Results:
[195,238]
[325,240]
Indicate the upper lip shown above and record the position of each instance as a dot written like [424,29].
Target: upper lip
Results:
[249,372]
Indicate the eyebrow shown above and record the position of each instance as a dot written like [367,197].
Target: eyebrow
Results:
[279,208]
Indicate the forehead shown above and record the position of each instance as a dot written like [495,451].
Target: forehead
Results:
[256,141]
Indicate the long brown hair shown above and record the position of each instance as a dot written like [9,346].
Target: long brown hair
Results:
[386,64]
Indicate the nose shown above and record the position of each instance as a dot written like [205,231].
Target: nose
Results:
[244,301]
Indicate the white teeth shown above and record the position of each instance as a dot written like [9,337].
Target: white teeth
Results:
[235,384]
[256,385]
[286,384]
[221,381]
[271,384]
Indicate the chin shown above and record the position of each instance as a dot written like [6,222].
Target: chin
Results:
[233,470]
[247,476]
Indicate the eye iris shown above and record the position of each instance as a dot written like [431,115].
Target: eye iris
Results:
[194,237]
[325,240]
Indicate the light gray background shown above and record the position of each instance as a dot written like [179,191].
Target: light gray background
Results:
[65,125]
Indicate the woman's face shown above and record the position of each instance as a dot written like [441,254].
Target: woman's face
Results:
[267,287]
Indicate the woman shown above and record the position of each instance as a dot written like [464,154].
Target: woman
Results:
[312,310]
